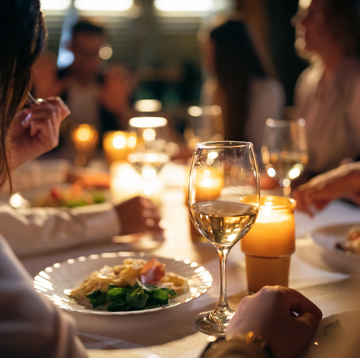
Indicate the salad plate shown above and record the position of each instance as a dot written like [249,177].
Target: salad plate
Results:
[326,238]
[56,281]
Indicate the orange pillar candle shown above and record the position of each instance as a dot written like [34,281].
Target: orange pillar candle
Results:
[270,243]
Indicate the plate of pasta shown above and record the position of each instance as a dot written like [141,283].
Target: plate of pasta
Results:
[122,283]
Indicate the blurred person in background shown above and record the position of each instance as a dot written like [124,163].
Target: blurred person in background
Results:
[97,96]
[246,94]
[327,93]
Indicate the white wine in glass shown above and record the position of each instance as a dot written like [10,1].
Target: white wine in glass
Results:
[223,200]
[284,151]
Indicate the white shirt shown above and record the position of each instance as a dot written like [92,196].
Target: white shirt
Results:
[332,114]
[30,326]
[37,230]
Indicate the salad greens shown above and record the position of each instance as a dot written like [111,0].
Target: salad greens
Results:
[129,298]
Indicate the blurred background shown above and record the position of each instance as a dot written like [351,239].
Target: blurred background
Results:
[160,42]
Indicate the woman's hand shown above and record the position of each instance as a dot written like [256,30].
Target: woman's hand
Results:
[270,313]
[342,182]
[35,130]
[138,215]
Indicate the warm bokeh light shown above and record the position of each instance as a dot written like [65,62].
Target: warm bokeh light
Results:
[184,5]
[148,105]
[105,52]
[84,133]
[304,3]
[195,111]
[147,122]
[104,5]
[55,4]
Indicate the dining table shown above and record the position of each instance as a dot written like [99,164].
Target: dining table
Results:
[171,333]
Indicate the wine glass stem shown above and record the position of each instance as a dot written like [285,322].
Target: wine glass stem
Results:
[223,300]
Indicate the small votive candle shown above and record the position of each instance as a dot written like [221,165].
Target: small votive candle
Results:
[270,243]
[118,145]
[85,138]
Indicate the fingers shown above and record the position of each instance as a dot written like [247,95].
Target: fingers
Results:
[301,305]
[139,215]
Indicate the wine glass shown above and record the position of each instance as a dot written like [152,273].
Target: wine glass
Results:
[223,200]
[150,153]
[284,151]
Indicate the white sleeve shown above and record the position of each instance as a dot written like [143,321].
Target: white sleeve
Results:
[30,326]
[37,230]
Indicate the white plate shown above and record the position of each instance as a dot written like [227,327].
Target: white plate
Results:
[54,281]
[327,237]
[350,324]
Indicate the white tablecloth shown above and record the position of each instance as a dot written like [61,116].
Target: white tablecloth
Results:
[171,333]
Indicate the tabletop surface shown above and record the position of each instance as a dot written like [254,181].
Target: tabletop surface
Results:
[171,332]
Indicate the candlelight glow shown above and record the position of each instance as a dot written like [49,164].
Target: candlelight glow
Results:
[119,142]
[84,133]
[212,155]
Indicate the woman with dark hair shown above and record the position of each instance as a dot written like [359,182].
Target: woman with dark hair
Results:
[245,93]
[29,326]
[327,93]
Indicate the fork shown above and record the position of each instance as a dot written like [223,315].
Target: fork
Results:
[32,99]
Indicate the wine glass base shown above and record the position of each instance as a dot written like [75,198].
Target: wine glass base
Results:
[215,322]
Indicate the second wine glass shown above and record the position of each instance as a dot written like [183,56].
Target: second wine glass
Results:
[150,153]
[223,200]
[284,151]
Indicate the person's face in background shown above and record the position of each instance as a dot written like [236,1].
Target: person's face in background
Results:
[85,47]
[312,31]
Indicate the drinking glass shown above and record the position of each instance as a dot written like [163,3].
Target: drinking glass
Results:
[224,179]
[284,152]
[150,154]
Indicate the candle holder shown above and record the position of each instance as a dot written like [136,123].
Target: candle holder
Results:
[118,145]
[270,243]
[85,138]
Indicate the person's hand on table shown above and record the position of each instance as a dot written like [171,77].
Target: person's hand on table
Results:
[342,182]
[138,215]
[270,313]
[35,130]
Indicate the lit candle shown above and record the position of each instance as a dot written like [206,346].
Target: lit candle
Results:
[118,145]
[85,138]
[270,243]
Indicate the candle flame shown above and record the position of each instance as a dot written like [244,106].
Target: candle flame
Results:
[84,133]
[119,142]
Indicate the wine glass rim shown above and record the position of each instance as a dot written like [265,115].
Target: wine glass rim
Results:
[225,144]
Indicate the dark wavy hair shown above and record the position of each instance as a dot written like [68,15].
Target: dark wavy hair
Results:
[22,39]
[343,20]
[236,62]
